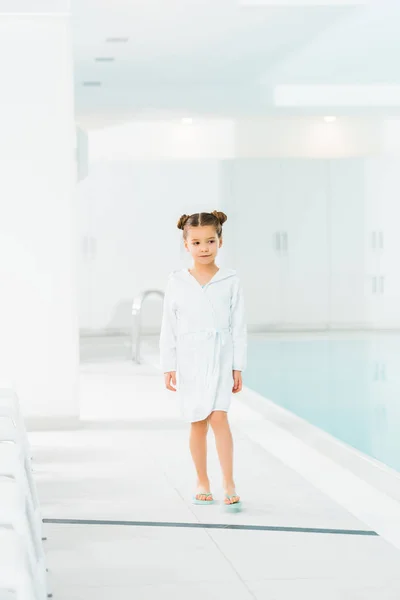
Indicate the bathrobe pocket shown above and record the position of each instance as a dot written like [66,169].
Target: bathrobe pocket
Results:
[187,360]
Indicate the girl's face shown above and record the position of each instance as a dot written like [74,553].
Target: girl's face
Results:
[203,244]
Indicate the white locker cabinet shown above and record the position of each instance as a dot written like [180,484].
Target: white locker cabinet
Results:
[382,175]
[348,284]
[305,243]
[256,210]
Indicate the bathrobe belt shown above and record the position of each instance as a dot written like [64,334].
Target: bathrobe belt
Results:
[207,333]
[220,336]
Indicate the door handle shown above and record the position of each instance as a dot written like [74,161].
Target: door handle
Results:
[277,241]
[382,284]
[93,248]
[285,244]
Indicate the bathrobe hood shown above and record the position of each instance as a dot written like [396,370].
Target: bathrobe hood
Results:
[184,275]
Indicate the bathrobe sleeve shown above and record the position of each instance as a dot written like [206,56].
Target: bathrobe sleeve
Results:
[167,342]
[239,328]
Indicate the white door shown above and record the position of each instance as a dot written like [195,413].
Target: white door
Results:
[388,286]
[347,243]
[305,218]
[256,206]
[374,179]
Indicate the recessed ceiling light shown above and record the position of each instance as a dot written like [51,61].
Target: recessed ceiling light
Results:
[92,83]
[187,121]
[104,59]
[117,40]
[329,119]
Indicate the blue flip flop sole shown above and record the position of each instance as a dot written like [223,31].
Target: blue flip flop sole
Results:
[235,507]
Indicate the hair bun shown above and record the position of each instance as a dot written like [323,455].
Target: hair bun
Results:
[182,221]
[220,216]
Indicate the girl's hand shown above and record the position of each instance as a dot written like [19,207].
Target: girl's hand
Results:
[169,378]
[237,381]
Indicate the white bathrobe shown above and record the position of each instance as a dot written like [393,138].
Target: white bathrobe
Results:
[203,338]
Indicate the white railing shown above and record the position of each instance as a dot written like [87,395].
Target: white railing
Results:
[137,322]
[22,559]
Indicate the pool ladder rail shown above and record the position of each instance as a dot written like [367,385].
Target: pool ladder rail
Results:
[137,321]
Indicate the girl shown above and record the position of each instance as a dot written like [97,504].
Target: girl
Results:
[203,347]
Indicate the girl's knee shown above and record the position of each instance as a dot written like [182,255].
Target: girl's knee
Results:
[218,417]
[200,424]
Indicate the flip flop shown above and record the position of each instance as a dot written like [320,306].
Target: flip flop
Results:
[233,507]
[197,501]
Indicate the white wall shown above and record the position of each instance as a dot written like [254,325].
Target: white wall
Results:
[129,210]
[269,137]
[308,137]
[38,312]
[203,139]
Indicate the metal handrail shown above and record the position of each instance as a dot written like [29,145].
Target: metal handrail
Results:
[137,321]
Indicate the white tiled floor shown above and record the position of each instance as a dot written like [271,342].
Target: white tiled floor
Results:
[274,555]
[139,469]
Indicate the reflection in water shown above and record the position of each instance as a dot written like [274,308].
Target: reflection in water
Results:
[351,388]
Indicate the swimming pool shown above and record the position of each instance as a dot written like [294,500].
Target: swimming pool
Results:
[347,385]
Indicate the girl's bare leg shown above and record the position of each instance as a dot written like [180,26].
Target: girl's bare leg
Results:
[198,450]
[224,442]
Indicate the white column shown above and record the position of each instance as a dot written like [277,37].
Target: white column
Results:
[38,296]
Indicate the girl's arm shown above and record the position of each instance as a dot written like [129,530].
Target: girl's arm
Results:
[239,328]
[167,343]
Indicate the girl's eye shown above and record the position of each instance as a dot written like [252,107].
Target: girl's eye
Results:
[212,241]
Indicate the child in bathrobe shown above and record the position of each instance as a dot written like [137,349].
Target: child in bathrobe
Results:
[203,346]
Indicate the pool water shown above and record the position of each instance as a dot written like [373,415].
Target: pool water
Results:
[347,387]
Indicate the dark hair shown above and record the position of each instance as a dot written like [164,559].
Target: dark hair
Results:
[216,219]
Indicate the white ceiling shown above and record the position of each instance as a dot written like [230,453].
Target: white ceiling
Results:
[363,48]
[217,57]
